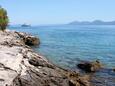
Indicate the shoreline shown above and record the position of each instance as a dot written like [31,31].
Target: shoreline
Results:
[21,66]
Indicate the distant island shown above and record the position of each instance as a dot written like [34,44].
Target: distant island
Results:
[95,22]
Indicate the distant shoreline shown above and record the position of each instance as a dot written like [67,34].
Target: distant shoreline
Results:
[95,22]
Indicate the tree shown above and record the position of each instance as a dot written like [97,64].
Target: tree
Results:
[3,19]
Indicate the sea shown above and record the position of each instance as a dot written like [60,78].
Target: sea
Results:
[67,45]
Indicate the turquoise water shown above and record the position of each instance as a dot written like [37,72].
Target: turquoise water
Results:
[66,45]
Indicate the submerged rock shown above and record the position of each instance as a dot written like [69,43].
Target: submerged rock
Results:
[104,77]
[113,70]
[21,66]
[90,66]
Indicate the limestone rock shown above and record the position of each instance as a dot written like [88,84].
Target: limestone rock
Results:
[21,66]
[28,39]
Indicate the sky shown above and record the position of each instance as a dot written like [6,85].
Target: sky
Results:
[38,12]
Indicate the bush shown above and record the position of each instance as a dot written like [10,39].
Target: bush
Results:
[3,19]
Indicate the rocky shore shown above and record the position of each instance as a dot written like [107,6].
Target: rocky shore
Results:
[21,66]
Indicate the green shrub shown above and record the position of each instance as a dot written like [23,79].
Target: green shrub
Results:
[3,19]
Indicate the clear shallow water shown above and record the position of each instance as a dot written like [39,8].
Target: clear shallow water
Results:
[66,45]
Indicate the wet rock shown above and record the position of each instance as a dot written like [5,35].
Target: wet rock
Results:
[31,41]
[89,66]
[113,70]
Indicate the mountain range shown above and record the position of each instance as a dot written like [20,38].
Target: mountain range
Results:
[95,22]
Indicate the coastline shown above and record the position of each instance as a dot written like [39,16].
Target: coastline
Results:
[21,66]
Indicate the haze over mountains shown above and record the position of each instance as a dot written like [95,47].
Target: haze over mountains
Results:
[95,22]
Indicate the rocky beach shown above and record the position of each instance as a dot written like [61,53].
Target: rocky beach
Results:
[21,66]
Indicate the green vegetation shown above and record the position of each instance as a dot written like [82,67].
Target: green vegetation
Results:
[3,19]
